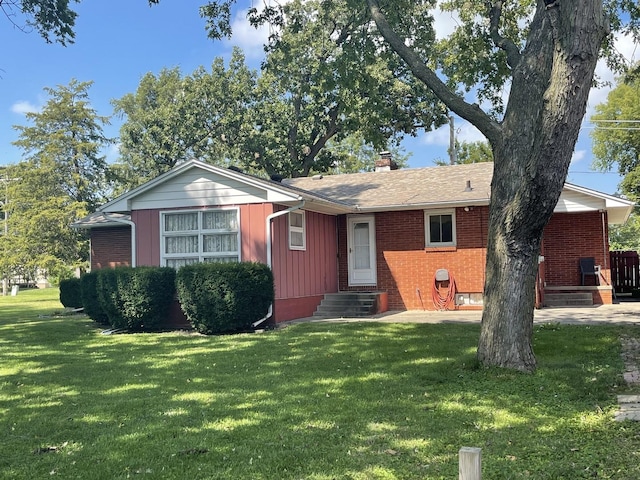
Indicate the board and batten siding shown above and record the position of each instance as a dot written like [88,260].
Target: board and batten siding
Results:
[252,232]
[306,273]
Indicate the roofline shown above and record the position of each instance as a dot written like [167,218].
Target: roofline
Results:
[408,206]
[595,193]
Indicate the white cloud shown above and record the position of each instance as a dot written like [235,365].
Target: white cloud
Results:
[23,107]
[247,37]
[444,23]
[627,47]
[578,156]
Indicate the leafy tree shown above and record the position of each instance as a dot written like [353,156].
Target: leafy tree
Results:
[306,97]
[616,138]
[469,152]
[309,92]
[627,236]
[355,155]
[39,238]
[53,19]
[546,52]
[172,118]
[60,179]
[66,140]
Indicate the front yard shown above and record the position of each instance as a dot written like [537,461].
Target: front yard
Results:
[313,401]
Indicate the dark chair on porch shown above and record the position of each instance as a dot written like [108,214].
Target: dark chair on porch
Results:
[588,267]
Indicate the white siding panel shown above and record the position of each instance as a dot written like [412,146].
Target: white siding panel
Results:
[571,201]
[198,188]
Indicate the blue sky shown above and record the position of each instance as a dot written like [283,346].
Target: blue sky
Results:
[119,41]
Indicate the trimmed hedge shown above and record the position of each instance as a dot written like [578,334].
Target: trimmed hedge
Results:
[136,298]
[224,297]
[70,293]
[90,300]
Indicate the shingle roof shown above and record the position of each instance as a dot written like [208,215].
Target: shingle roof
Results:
[404,188]
[99,219]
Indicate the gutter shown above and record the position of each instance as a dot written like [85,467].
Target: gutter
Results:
[269,248]
[133,234]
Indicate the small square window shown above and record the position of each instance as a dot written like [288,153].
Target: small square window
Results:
[440,226]
[297,234]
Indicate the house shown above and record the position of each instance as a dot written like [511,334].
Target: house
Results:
[412,236]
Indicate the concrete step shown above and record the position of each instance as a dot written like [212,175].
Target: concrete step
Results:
[568,299]
[347,304]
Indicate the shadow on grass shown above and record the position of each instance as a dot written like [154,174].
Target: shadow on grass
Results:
[316,401]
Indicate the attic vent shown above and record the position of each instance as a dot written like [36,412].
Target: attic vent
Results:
[276,177]
[468,187]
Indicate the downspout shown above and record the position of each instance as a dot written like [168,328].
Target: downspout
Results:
[133,234]
[269,248]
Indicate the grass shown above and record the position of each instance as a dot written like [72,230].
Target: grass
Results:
[313,401]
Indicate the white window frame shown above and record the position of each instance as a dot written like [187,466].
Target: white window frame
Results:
[200,256]
[302,230]
[427,227]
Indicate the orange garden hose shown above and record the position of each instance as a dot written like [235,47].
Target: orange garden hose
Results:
[446,302]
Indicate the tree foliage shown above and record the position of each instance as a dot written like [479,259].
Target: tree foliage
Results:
[60,179]
[66,140]
[616,138]
[172,118]
[53,19]
[469,152]
[282,121]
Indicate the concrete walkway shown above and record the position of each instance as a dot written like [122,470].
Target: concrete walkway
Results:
[620,313]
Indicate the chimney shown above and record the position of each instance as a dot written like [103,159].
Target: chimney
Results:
[385,163]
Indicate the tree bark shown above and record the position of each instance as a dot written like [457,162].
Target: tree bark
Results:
[547,102]
[532,149]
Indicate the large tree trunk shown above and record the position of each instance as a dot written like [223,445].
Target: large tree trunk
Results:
[532,149]
[548,99]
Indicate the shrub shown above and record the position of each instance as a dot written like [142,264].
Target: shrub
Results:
[70,293]
[224,297]
[136,298]
[90,300]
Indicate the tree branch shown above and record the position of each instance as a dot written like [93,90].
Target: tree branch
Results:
[472,113]
[510,48]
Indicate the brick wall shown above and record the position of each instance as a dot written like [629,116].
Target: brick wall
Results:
[406,269]
[569,237]
[110,247]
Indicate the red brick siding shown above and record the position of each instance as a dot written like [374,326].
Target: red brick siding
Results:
[405,268]
[110,247]
[569,237]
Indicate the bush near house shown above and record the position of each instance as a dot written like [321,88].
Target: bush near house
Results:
[70,293]
[136,298]
[224,297]
[90,300]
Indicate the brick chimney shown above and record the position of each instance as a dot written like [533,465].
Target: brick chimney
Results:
[385,163]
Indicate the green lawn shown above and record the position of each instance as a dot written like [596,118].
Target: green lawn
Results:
[312,401]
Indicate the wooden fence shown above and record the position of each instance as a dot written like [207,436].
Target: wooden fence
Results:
[625,271]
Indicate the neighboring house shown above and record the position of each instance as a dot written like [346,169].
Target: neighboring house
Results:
[387,231]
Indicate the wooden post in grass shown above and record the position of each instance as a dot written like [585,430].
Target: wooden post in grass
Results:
[470,463]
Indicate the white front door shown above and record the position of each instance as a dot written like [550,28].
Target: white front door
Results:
[361,248]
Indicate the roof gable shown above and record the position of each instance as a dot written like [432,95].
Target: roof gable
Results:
[195,183]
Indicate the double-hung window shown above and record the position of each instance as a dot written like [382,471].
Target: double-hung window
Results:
[297,235]
[200,236]
[440,226]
